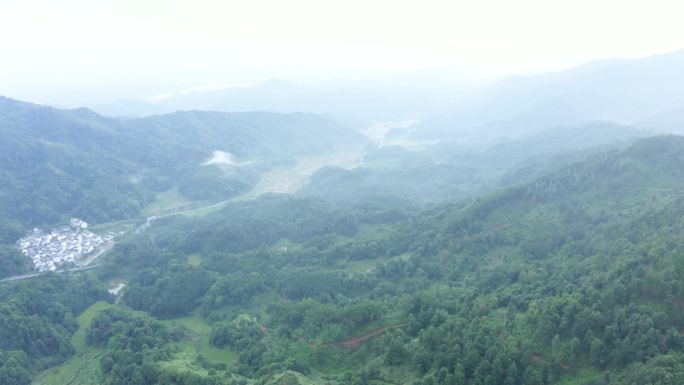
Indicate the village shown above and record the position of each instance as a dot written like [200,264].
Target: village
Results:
[68,244]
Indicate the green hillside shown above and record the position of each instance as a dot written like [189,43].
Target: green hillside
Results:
[575,278]
[56,164]
[59,163]
[449,172]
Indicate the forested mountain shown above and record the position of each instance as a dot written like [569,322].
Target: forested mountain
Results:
[573,278]
[450,172]
[360,193]
[56,163]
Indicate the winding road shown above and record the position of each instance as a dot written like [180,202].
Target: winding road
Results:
[34,275]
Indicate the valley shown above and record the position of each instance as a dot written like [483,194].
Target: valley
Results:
[415,229]
[277,282]
[282,180]
[287,179]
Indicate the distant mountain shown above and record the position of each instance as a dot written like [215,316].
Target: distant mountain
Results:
[671,120]
[448,172]
[56,163]
[248,135]
[128,108]
[413,97]
[621,90]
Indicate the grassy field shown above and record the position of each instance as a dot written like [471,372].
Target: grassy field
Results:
[114,227]
[582,377]
[194,260]
[289,179]
[167,201]
[194,344]
[84,367]
[279,180]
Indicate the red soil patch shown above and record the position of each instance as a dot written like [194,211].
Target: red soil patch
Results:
[354,343]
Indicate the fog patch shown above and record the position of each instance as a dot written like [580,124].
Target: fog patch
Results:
[223,159]
[378,131]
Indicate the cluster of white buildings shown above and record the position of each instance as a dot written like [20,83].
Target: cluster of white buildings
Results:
[50,250]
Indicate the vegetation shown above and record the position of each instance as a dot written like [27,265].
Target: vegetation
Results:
[60,163]
[133,343]
[84,366]
[12,261]
[37,321]
[576,276]
[56,164]
[451,172]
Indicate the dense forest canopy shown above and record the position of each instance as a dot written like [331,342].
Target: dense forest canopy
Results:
[55,163]
[553,259]
[569,274]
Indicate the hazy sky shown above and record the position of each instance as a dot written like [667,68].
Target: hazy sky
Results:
[71,51]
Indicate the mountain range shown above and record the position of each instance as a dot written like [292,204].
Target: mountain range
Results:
[55,163]
[627,91]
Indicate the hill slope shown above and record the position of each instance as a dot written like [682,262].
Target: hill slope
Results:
[448,172]
[575,277]
[57,163]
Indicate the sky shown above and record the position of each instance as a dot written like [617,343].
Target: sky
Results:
[67,52]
